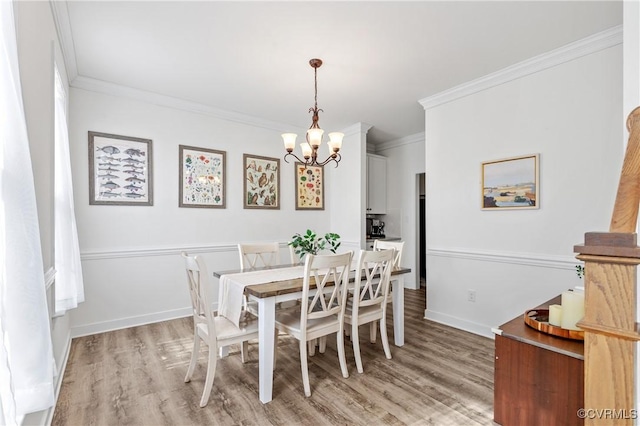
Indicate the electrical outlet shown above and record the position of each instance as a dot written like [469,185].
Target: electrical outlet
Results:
[471,295]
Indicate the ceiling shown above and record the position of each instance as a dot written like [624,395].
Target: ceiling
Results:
[380,58]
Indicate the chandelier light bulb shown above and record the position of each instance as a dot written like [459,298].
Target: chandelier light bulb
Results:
[335,141]
[314,137]
[289,141]
[306,150]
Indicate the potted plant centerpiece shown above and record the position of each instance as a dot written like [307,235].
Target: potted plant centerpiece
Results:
[311,243]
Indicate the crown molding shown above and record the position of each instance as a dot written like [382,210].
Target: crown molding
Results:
[112,89]
[65,36]
[357,129]
[406,140]
[586,46]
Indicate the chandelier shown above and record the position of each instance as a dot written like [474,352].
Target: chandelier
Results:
[314,134]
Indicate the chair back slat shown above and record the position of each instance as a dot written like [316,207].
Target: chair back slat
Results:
[294,258]
[330,274]
[373,276]
[258,255]
[385,245]
[198,283]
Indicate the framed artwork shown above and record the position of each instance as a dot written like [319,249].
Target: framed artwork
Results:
[202,179]
[511,183]
[261,182]
[309,187]
[120,170]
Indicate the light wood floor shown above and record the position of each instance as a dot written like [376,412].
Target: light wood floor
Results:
[441,376]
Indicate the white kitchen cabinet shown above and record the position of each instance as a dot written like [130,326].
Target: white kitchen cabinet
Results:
[376,184]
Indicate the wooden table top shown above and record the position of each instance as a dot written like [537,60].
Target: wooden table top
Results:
[287,286]
[517,329]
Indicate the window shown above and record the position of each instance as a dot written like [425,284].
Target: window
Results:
[69,289]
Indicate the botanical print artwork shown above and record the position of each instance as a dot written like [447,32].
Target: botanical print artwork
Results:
[120,170]
[202,182]
[261,182]
[309,187]
[511,183]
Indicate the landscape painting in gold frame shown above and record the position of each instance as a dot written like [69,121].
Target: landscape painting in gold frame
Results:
[511,183]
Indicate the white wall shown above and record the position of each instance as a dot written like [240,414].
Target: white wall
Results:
[348,189]
[405,160]
[514,260]
[132,269]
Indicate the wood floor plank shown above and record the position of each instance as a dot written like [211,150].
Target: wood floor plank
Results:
[441,376]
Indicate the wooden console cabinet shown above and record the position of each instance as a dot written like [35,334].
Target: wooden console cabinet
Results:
[539,379]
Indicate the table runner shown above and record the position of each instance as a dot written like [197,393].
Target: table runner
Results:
[233,285]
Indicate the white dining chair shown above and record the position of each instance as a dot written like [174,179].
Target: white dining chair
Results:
[321,311]
[368,301]
[294,257]
[398,246]
[386,245]
[257,255]
[215,331]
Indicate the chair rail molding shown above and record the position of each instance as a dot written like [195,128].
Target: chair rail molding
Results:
[527,259]
[118,253]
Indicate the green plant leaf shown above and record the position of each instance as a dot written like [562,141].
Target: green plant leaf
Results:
[311,243]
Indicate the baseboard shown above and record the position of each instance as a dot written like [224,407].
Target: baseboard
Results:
[459,323]
[58,385]
[45,417]
[119,324]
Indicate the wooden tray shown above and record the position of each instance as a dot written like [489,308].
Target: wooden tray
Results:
[539,319]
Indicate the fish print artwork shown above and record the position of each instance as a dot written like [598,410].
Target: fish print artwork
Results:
[202,177]
[261,182]
[309,187]
[120,170]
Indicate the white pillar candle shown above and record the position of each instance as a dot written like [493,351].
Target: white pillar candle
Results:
[572,309]
[555,315]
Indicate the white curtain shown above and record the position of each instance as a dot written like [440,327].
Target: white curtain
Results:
[26,360]
[69,289]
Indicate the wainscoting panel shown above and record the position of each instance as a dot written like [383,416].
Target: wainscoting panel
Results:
[135,286]
[504,285]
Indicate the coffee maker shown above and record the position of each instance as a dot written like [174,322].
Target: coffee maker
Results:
[377,229]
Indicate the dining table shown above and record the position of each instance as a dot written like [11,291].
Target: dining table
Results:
[282,283]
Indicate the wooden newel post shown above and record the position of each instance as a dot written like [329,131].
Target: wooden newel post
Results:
[611,331]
